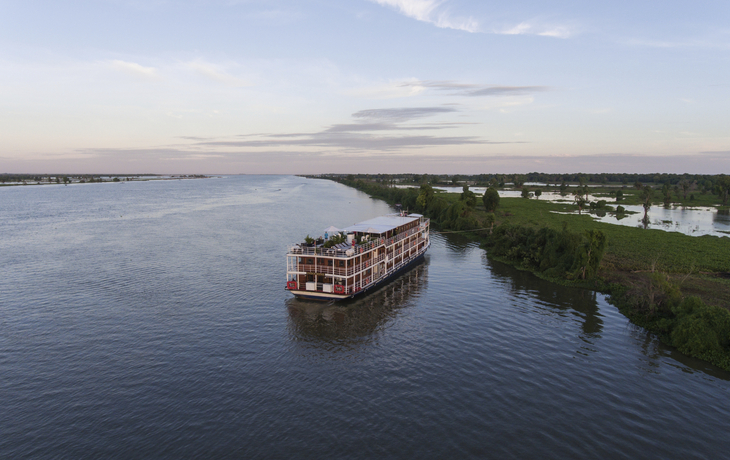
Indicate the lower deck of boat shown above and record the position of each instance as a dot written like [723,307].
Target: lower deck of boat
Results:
[326,297]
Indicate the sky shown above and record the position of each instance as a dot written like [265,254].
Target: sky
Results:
[364,86]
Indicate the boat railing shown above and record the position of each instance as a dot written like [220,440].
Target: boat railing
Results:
[297,249]
[401,236]
[300,249]
[369,280]
[340,271]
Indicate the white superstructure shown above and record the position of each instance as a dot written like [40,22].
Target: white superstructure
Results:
[352,260]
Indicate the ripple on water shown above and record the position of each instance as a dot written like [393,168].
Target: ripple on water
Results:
[166,331]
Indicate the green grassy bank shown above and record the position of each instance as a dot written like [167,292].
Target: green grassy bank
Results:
[674,285]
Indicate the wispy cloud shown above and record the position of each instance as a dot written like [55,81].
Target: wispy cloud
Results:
[532,28]
[362,136]
[132,68]
[470,89]
[401,114]
[436,12]
[431,11]
[351,141]
[414,87]
[215,73]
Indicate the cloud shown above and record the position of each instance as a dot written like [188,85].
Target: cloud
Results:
[363,127]
[413,87]
[469,89]
[213,72]
[506,90]
[401,114]
[132,68]
[434,12]
[362,136]
[527,28]
[350,141]
[390,90]
[430,11]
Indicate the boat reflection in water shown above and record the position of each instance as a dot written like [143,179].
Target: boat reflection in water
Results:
[350,323]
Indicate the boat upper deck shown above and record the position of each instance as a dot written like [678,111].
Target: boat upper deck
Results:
[384,230]
[382,224]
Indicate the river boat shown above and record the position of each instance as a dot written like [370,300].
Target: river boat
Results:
[354,260]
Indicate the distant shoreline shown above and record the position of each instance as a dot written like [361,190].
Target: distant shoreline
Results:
[10,180]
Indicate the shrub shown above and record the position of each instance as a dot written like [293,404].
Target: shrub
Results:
[558,254]
[491,199]
[703,331]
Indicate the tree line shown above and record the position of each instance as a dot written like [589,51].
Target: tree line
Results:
[703,181]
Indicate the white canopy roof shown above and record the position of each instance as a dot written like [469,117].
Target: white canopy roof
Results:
[332,229]
[382,224]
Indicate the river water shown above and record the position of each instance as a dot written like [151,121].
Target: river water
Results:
[149,319]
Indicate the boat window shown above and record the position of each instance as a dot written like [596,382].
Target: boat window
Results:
[342,263]
[309,261]
[329,262]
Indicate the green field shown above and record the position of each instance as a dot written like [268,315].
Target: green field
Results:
[629,248]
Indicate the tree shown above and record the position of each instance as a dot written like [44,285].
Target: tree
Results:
[684,184]
[468,197]
[538,192]
[425,197]
[646,195]
[491,199]
[579,199]
[525,192]
[723,183]
[563,189]
[619,195]
[667,192]
[590,253]
[490,222]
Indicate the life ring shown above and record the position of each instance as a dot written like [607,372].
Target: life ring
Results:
[339,289]
[291,285]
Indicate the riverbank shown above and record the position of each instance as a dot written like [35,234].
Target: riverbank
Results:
[674,285]
[10,180]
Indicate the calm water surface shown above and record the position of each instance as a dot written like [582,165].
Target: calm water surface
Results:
[150,319]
